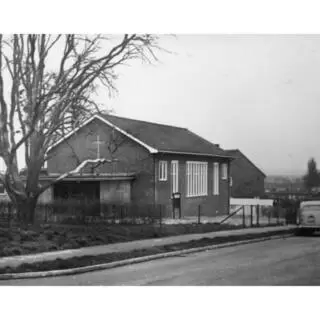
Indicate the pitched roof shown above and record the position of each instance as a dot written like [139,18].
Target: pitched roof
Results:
[157,138]
[236,153]
[167,139]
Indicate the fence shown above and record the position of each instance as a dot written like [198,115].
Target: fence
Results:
[75,212]
[257,215]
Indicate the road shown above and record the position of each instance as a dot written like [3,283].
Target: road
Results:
[291,261]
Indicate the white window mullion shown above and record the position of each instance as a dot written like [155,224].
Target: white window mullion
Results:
[163,170]
[216,178]
[177,176]
[188,175]
[197,178]
[206,178]
[189,180]
[192,179]
[200,179]
[174,175]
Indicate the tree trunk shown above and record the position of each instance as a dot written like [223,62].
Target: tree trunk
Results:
[26,209]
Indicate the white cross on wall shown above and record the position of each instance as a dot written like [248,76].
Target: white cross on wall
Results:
[98,142]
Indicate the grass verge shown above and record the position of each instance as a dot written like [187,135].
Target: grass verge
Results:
[61,264]
[43,238]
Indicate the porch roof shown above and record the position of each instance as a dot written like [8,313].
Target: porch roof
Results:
[91,177]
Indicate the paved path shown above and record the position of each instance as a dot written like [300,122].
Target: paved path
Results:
[291,261]
[127,246]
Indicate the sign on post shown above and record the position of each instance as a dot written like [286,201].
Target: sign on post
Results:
[176,204]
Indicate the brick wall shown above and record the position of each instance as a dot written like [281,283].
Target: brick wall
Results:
[130,156]
[210,204]
[146,188]
[247,180]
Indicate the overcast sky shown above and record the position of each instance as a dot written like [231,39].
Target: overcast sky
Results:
[258,93]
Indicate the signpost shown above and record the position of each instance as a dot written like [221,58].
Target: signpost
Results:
[176,204]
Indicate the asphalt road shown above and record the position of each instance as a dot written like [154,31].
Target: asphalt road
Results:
[291,261]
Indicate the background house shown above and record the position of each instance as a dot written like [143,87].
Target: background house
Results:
[247,180]
[150,162]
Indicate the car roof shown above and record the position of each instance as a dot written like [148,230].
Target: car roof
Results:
[309,203]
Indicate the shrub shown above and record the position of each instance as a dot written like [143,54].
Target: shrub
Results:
[11,251]
[49,235]
[82,241]
[53,247]
[61,240]
[28,235]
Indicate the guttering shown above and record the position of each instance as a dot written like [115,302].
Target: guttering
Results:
[196,154]
[152,150]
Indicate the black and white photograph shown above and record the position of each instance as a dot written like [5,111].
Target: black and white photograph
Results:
[159,159]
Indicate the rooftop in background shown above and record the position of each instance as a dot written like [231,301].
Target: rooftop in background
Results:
[236,153]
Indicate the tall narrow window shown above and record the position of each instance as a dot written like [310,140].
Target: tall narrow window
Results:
[224,171]
[216,178]
[175,176]
[197,176]
[163,170]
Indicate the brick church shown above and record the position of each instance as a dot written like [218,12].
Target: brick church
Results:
[147,164]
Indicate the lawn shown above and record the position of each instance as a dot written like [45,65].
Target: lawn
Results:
[76,262]
[42,238]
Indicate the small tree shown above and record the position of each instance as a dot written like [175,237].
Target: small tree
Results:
[41,102]
[312,178]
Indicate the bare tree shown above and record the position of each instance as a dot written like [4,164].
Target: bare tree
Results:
[39,104]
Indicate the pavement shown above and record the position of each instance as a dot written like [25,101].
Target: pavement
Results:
[286,262]
[129,246]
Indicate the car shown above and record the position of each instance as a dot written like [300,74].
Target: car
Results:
[309,217]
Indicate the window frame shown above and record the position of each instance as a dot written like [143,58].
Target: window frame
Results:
[224,171]
[197,179]
[163,170]
[175,176]
[216,178]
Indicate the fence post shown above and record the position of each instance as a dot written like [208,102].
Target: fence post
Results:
[199,214]
[258,213]
[160,218]
[121,214]
[9,218]
[269,216]
[243,217]
[10,211]
[251,216]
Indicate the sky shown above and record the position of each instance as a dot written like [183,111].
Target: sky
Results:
[256,93]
